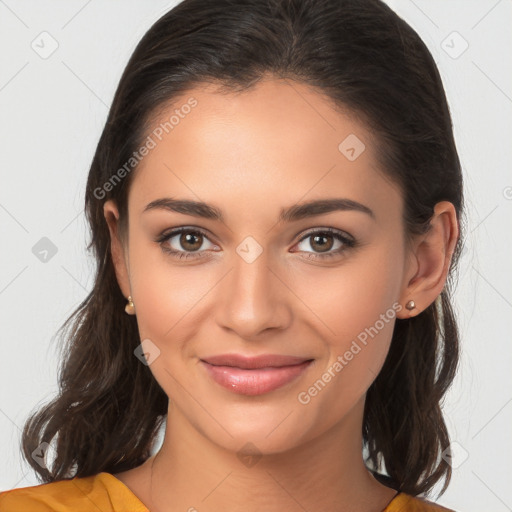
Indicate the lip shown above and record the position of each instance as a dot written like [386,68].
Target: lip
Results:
[252,362]
[254,375]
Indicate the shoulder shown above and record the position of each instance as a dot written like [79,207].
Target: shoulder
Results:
[407,503]
[97,492]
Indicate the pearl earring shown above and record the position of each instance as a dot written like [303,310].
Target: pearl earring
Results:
[130,308]
[410,305]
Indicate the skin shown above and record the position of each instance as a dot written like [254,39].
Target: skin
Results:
[251,154]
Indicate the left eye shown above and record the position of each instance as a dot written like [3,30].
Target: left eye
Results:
[317,241]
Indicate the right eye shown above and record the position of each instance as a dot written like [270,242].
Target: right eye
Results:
[187,245]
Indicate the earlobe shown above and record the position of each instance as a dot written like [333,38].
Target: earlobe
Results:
[432,254]
[111,214]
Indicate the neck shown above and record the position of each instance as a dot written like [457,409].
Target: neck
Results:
[326,473]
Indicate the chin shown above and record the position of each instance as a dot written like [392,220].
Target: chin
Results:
[274,432]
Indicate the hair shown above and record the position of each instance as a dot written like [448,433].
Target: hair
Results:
[368,61]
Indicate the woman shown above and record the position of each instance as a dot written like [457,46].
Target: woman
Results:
[275,205]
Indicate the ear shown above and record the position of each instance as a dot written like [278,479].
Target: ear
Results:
[429,260]
[119,256]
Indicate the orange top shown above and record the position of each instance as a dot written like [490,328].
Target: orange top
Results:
[105,493]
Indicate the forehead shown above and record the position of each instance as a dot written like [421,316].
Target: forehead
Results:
[274,144]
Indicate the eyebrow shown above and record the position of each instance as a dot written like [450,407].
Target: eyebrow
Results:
[290,214]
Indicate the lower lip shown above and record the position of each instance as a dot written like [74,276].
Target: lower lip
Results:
[254,382]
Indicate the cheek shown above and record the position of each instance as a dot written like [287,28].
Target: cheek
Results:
[169,299]
[352,296]
[172,301]
[167,295]
[355,308]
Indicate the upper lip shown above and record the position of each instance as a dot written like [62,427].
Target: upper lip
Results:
[262,361]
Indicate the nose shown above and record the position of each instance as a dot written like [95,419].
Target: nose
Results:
[254,297]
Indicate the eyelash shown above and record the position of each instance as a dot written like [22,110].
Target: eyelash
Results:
[348,243]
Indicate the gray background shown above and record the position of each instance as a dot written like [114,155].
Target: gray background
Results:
[53,108]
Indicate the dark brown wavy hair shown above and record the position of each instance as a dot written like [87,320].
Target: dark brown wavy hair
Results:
[369,62]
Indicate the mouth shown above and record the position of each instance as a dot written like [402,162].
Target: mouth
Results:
[254,375]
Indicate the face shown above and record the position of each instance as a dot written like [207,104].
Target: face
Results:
[324,285]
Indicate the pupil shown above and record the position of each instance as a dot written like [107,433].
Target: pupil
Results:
[186,238]
[323,248]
